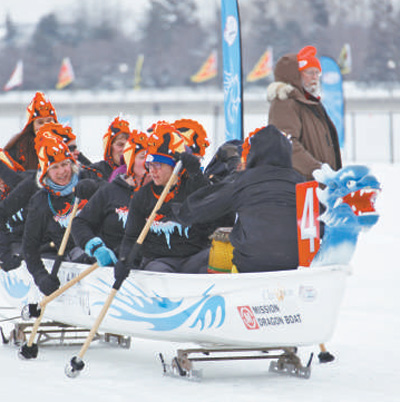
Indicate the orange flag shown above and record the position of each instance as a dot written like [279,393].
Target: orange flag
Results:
[208,70]
[263,68]
[66,74]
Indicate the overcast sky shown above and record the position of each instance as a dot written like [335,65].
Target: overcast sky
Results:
[25,11]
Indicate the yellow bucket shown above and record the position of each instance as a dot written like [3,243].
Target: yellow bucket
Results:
[221,252]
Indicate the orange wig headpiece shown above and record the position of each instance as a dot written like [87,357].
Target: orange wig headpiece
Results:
[118,126]
[247,145]
[194,135]
[40,107]
[137,142]
[164,143]
[51,149]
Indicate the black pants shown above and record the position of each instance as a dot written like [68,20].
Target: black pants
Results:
[194,264]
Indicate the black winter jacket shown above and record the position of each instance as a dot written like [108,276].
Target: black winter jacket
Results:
[48,217]
[13,211]
[104,215]
[263,196]
[165,238]
[102,170]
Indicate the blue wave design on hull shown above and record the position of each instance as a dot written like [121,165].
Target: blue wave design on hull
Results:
[15,287]
[156,305]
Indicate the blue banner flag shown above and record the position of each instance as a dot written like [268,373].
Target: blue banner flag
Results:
[232,64]
[332,94]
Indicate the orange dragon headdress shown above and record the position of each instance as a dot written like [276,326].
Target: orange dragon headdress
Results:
[194,135]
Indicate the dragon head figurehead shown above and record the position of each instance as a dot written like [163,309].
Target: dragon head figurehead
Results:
[349,197]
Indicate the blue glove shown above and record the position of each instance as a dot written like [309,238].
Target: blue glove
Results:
[96,248]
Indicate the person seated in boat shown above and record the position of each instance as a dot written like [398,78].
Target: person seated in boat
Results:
[263,196]
[225,162]
[21,147]
[122,168]
[10,230]
[11,173]
[19,153]
[168,247]
[50,208]
[100,226]
[114,141]
[13,209]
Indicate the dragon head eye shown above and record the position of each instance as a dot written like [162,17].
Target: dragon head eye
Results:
[332,185]
[351,183]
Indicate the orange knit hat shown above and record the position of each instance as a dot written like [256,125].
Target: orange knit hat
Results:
[63,132]
[306,58]
[137,142]
[51,149]
[118,126]
[40,107]
[164,143]
[194,135]
[10,162]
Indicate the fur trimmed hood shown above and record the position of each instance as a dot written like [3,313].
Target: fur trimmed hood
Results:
[279,90]
[287,79]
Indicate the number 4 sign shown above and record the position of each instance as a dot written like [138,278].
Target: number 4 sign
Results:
[307,221]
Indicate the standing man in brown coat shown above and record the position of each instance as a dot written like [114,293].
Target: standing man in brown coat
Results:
[297,110]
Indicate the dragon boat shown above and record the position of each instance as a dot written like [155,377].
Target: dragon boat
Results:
[230,312]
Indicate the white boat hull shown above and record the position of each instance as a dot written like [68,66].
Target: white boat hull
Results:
[283,308]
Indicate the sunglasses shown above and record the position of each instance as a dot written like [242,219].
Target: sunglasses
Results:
[72,148]
[153,165]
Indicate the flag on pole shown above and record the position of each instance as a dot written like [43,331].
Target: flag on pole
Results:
[138,71]
[66,74]
[332,95]
[16,77]
[263,67]
[208,70]
[344,60]
[232,70]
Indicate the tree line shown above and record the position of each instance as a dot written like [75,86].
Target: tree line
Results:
[175,42]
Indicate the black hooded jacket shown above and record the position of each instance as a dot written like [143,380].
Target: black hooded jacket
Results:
[264,198]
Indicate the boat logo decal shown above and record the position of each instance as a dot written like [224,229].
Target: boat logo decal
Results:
[248,317]
[255,317]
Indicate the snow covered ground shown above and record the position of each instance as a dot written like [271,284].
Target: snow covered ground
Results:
[366,344]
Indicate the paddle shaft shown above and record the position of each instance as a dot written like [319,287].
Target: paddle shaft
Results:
[64,242]
[97,323]
[54,272]
[35,328]
[46,300]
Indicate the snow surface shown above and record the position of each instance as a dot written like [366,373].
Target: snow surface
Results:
[366,344]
